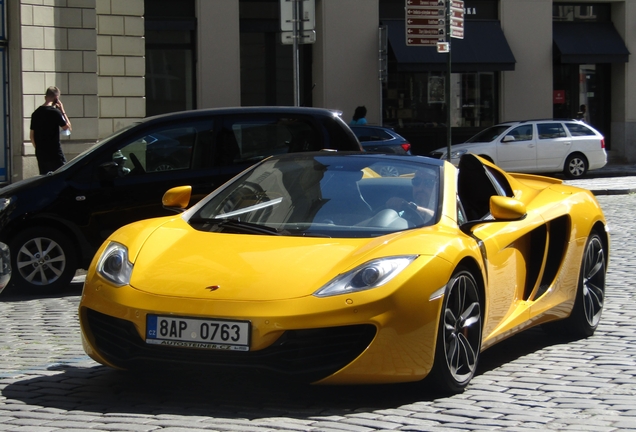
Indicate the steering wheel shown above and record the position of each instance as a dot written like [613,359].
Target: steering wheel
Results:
[135,161]
[415,217]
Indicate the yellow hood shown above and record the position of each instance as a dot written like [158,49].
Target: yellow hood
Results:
[179,261]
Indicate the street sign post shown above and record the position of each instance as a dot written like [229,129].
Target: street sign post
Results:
[425,22]
[308,36]
[456,17]
[287,15]
[297,23]
[435,23]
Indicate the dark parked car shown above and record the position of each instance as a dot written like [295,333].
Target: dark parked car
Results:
[53,224]
[378,139]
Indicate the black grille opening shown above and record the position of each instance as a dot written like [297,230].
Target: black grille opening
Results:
[309,354]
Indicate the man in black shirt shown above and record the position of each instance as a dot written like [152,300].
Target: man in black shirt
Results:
[46,122]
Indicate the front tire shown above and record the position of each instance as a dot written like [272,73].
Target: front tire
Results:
[459,335]
[43,260]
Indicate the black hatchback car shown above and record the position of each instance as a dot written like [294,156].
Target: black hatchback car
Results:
[55,223]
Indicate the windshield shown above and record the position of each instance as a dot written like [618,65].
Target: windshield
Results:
[490,134]
[326,196]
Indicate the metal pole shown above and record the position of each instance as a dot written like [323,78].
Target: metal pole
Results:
[296,35]
[448,81]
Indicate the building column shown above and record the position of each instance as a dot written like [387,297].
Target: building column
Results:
[219,54]
[526,92]
[346,67]
[624,87]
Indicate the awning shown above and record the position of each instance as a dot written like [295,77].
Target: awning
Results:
[588,43]
[484,48]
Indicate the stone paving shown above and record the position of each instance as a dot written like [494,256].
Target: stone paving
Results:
[532,381]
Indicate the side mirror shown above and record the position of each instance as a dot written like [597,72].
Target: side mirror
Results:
[177,198]
[508,138]
[506,209]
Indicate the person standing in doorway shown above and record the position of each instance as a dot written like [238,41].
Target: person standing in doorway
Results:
[582,114]
[359,116]
[46,122]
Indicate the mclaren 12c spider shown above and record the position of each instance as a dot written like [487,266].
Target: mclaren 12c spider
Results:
[315,266]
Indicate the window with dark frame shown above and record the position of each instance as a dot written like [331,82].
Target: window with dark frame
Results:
[170,33]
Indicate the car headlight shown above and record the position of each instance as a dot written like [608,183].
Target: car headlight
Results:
[114,266]
[369,275]
[458,153]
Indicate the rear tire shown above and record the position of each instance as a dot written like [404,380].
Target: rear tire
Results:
[590,293]
[459,336]
[575,166]
[44,260]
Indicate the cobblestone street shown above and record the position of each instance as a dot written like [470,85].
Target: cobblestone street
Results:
[532,381]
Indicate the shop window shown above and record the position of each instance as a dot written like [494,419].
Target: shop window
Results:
[419,99]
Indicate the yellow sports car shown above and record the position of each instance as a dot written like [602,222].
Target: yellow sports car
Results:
[316,266]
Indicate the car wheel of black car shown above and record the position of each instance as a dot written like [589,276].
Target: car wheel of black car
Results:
[43,260]
[459,334]
[575,166]
[590,295]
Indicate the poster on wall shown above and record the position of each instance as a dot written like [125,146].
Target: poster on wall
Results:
[436,90]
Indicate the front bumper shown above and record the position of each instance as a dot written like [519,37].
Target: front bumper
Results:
[376,336]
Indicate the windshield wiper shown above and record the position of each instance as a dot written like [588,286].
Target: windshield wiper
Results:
[251,208]
[236,224]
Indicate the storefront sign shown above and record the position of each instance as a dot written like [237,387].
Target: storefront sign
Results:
[558,97]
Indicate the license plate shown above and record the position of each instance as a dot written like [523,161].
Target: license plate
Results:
[198,333]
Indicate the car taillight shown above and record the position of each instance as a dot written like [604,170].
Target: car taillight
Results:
[602,143]
[406,146]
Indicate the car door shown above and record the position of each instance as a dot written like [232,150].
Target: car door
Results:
[517,149]
[505,245]
[125,181]
[553,145]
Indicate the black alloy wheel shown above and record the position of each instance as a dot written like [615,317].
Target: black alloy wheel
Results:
[590,296]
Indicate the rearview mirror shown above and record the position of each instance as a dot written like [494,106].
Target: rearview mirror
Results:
[508,138]
[177,198]
[505,208]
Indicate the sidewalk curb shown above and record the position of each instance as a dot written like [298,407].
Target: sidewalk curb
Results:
[613,191]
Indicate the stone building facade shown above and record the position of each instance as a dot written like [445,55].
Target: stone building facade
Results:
[99,53]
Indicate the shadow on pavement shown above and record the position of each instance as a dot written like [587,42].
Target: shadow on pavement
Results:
[232,395]
[102,390]
[12,294]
